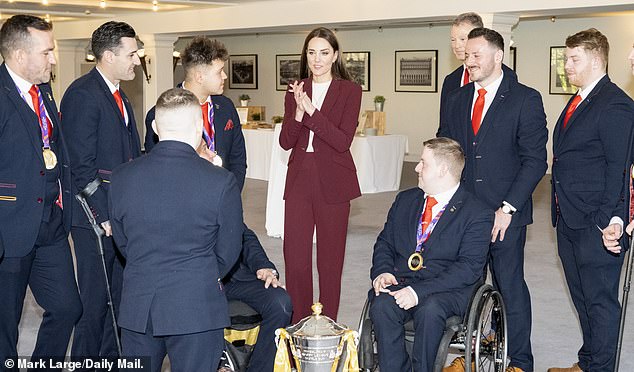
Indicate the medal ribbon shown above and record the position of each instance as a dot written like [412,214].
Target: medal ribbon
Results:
[208,127]
[40,111]
[421,236]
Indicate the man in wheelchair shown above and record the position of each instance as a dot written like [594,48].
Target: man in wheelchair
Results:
[428,258]
[254,280]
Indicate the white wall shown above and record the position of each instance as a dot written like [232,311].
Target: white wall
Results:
[416,114]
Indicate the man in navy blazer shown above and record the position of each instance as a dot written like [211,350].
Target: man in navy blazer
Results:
[101,134]
[178,221]
[591,149]
[453,258]
[501,125]
[35,196]
[203,61]
[254,280]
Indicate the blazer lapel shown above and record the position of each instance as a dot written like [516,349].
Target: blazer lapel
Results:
[135,146]
[331,96]
[49,103]
[413,219]
[466,109]
[29,119]
[108,95]
[498,100]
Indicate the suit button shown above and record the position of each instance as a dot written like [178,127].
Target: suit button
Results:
[42,173]
[555,160]
[39,200]
[474,143]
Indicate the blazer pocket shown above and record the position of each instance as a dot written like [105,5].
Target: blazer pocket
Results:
[8,192]
[344,161]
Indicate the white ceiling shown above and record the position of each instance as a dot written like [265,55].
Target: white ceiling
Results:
[107,9]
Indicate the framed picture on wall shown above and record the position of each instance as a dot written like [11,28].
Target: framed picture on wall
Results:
[416,71]
[559,83]
[243,71]
[358,66]
[287,67]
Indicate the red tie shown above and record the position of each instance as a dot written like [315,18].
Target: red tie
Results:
[206,123]
[476,118]
[34,92]
[427,214]
[571,108]
[117,97]
[465,79]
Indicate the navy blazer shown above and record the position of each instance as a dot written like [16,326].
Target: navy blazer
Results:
[453,81]
[22,169]
[334,127]
[177,219]
[98,139]
[591,158]
[507,159]
[454,254]
[228,138]
[252,258]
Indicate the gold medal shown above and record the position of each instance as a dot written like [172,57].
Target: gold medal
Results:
[415,261]
[50,159]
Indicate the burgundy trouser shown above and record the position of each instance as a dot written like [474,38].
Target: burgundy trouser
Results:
[306,208]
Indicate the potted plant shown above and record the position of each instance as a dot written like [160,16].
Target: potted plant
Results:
[244,99]
[379,101]
[277,119]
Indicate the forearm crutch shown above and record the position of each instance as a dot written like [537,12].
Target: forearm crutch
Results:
[626,291]
[99,232]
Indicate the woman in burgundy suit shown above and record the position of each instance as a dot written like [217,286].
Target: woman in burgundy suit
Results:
[320,119]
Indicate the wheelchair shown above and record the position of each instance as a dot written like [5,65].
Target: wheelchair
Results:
[240,336]
[480,336]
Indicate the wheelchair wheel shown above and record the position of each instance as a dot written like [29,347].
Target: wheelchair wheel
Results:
[487,327]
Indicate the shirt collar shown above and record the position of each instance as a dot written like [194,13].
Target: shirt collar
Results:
[111,86]
[23,85]
[491,88]
[444,197]
[584,92]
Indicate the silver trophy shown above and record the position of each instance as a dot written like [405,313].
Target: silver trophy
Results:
[319,344]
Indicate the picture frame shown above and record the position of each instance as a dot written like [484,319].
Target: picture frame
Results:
[287,70]
[558,83]
[416,71]
[513,58]
[243,71]
[358,66]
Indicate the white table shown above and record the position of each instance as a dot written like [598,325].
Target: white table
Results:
[258,143]
[379,162]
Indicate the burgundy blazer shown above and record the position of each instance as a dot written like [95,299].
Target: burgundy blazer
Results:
[334,127]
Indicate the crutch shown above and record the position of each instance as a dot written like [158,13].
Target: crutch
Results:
[99,232]
[626,291]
